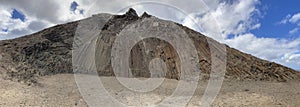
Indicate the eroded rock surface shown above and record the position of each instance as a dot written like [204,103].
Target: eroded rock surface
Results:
[49,52]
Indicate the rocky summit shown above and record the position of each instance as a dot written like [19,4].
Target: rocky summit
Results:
[49,52]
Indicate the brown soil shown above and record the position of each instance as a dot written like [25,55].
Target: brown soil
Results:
[61,90]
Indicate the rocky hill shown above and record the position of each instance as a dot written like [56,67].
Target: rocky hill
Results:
[49,52]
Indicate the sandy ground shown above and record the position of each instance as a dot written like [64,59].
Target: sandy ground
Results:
[61,90]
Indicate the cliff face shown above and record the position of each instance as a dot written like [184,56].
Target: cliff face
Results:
[49,52]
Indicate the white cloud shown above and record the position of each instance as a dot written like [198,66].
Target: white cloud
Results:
[256,26]
[282,51]
[272,48]
[5,17]
[42,14]
[35,8]
[39,15]
[295,18]
[285,20]
[231,18]
[293,31]
[294,58]
[238,18]
[11,27]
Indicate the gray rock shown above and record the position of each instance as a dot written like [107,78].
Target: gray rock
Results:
[50,51]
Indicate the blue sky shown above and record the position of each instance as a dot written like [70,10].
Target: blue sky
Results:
[268,29]
[17,15]
[273,12]
[73,6]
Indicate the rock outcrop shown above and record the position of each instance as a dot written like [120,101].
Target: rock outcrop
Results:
[49,52]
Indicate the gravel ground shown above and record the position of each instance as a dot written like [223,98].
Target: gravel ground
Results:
[61,90]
